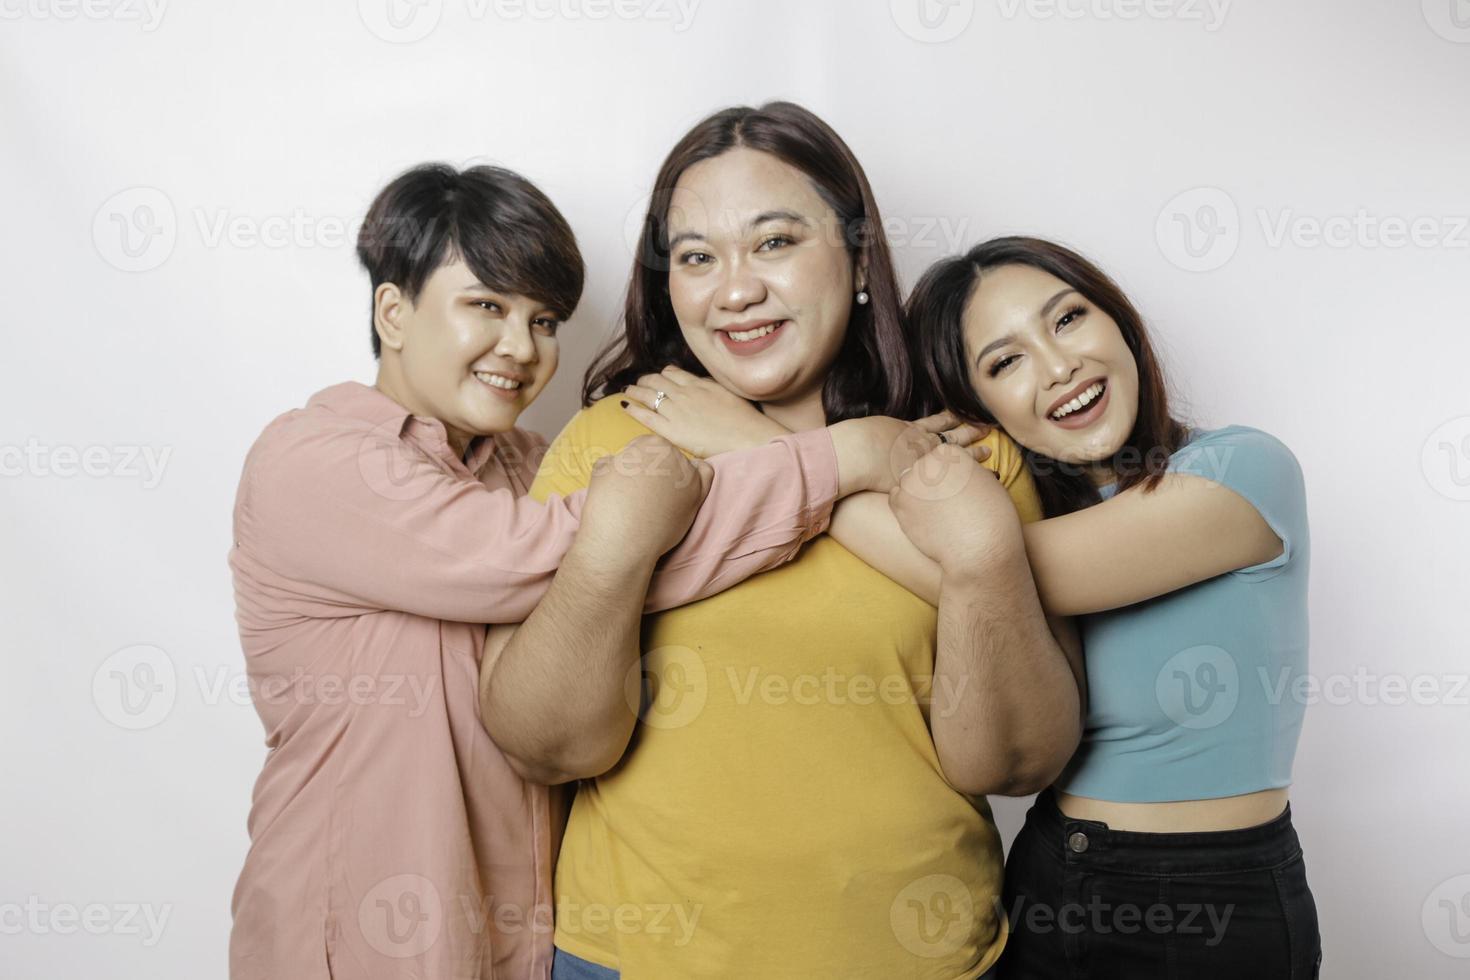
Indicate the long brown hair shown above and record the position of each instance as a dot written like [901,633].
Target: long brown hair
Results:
[872,372]
[936,312]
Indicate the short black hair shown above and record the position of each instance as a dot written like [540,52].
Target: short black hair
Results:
[509,233]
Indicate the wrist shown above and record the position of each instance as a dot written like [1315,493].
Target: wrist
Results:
[856,467]
[610,557]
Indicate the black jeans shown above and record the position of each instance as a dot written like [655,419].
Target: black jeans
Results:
[1088,903]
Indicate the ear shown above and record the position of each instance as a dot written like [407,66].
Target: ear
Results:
[860,275]
[390,308]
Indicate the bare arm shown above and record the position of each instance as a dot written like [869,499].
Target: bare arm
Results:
[1007,709]
[1186,531]
[1010,715]
[553,691]
[552,688]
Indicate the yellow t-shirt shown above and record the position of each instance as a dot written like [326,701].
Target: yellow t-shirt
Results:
[780,811]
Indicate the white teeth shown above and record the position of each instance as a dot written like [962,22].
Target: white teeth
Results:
[1080,401]
[496,381]
[746,335]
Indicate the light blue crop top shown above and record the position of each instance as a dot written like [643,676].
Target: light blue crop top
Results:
[1193,695]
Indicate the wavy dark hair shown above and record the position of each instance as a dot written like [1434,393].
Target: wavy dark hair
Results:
[936,314]
[872,373]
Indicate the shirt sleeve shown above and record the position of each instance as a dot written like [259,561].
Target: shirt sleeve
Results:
[343,518]
[1261,469]
[763,504]
[1010,467]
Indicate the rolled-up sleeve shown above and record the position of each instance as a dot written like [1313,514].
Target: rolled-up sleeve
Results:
[355,517]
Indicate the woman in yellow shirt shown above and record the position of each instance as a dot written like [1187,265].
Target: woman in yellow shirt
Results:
[804,795]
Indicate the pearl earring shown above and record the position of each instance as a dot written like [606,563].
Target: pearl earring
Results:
[862,297]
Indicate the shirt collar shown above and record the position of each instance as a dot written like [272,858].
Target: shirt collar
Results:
[366,402]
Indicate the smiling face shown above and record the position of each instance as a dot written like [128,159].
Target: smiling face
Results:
[1052,367]
[463,353]
[760,279]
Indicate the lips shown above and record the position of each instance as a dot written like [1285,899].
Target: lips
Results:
[501,385]
[757,336]
[1097,395]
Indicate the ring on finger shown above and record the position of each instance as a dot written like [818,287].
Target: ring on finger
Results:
[658,399]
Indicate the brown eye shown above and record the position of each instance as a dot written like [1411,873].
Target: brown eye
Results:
[1002,364]
[1075,313]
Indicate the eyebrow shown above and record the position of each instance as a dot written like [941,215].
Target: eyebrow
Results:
[1010,338]
[753,223]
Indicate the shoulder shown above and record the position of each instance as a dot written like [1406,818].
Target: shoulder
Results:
[600,429]
[1237,452]
[1009,465]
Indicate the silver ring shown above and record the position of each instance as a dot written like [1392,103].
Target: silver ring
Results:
[658,399]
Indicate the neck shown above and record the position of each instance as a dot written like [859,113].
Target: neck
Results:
[799,413]
[1101,474]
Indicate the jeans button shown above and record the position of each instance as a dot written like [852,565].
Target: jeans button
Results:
[1077,842]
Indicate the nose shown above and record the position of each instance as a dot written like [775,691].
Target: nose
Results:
[740,287]
[516,342]
[1058,363]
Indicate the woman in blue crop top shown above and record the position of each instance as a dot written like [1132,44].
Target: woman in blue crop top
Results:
[1165,848]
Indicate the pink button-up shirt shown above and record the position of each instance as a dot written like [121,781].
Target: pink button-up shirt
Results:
[389,838]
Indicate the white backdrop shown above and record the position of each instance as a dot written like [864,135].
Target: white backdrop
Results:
[1281,186]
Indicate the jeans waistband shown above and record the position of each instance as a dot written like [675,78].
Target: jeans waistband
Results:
[1092,843]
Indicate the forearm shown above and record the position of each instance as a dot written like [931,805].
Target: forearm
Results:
[554,698]
[1006,710]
